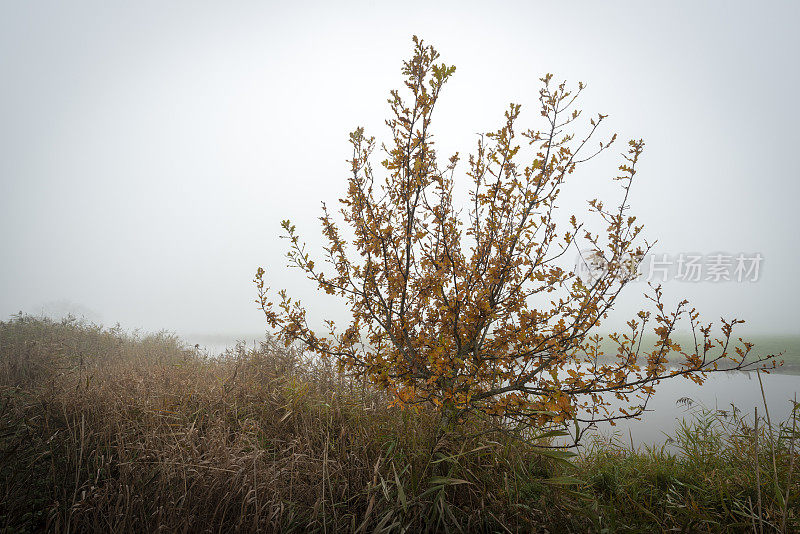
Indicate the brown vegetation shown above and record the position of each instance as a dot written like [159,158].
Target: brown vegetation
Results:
[103,431]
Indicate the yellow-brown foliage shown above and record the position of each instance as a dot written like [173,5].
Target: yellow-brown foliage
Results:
[482,315]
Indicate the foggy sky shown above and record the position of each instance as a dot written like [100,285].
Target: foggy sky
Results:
[149,150]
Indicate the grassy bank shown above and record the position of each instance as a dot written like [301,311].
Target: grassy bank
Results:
[785,347]
[101,430]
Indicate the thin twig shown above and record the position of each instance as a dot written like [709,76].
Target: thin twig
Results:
[758,474]
[791,465]
[769,433]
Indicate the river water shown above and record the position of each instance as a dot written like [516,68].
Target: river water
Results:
[718,392]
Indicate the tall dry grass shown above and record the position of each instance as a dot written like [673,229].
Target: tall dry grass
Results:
[105,431]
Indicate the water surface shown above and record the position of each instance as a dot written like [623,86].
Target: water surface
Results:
[719,392]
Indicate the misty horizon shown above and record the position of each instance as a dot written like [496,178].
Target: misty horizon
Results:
[149,155]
